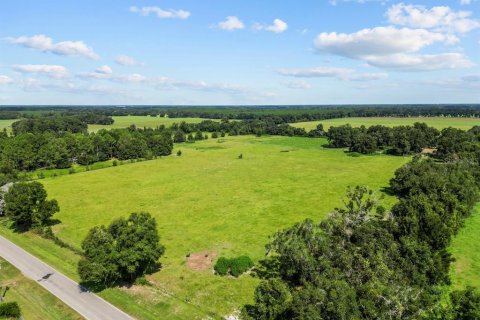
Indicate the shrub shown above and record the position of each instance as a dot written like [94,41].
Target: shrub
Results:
[222,266]
[142,281]
[71,171]
[240,265]
[10,310]
[115,163]
[234,266]
[214,135]
[179,153]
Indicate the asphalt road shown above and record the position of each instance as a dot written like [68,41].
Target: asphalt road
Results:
[86,303]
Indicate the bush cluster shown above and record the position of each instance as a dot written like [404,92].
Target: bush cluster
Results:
[234,266]
[10,310]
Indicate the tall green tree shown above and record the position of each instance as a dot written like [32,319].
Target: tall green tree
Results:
[27,206]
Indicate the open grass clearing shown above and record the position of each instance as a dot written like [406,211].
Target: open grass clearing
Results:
[437,122]
[209,200]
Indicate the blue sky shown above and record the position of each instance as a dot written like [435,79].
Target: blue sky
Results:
[210,52]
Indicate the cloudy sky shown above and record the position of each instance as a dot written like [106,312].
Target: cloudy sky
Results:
[212,52]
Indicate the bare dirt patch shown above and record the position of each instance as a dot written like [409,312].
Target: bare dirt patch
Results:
[199,261]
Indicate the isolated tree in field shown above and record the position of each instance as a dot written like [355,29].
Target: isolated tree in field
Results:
[128,248]
[99,266]
[214,135]
[137,243]
[179,136]
[198,135]
[27,206]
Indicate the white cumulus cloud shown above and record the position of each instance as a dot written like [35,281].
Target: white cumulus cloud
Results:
[104,70]
[231,23]
[46,44]
[161,13]
[393,48]
[331,72]
[52,71]
[441,18]
[278,26]
[421,62]
[5,79]
[378,41]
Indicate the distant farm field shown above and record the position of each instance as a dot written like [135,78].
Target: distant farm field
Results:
[210,201]
[35,302]
[7,124]
[142,121]
[437,122]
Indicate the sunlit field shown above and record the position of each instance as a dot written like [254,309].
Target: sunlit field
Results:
[466,251]
[437,122]
[210,200]
[142,121]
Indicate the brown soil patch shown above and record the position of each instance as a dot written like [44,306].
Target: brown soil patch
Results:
[201,260]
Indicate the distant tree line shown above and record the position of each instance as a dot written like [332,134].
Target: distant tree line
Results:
[60,123]
[30,151]
[402,140]
[285,114]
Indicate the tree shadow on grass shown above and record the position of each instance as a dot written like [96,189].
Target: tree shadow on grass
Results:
[387,190]
[88,286]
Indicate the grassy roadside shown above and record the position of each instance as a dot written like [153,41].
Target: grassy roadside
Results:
[35,302]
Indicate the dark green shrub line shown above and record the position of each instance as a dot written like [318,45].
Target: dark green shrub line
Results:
[234,266]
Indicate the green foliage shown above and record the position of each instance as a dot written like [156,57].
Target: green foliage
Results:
[10,310]
[465,304]
[27,206]
[240,265]
[222,266]
[272,301]
[234,266]
[127,249]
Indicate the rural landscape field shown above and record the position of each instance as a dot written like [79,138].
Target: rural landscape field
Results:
[240,160]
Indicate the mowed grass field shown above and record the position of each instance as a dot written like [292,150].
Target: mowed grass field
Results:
[437,122]
[208,200]
[142,121]
[35,302]
[466,251]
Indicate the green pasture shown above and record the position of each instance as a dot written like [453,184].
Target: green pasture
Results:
[35,302]
[437,122]
[7,124]
[142,121]
[466,251]
[207,200]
